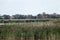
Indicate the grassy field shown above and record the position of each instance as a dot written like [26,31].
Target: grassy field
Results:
[30,31]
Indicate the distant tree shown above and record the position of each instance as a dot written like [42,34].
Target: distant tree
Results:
[29,17]
[6,16]
[39,16]
[0,17]
[45,15]
[54,15]
[33,17]
[48,16]
[17,16]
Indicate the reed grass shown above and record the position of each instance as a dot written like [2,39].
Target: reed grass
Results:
[19,31]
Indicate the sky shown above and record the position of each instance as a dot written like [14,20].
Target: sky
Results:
[29,7]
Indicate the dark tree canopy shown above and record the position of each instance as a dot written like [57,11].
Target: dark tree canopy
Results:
[38,16]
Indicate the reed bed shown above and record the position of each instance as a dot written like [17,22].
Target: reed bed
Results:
[30,32]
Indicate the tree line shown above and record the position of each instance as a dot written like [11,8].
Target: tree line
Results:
[38,16]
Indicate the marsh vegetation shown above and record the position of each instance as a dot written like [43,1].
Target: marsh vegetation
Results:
[31,31]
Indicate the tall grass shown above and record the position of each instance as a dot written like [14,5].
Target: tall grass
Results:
[30,32]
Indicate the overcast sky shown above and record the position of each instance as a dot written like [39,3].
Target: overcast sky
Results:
[29,6]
